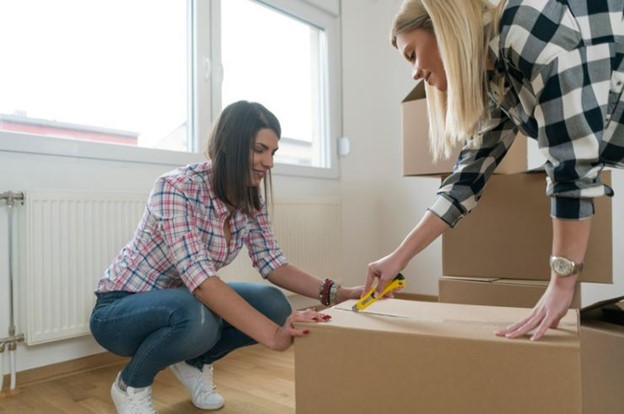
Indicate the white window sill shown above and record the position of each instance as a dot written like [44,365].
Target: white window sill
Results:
[61,147]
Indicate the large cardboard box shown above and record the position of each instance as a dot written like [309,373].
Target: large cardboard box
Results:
[509,234]
[402,356]
[496,292]
[602,358]
[417,156]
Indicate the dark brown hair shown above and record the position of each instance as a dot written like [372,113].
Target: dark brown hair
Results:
[230,149]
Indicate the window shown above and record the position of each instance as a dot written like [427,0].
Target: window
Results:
[103,71]
[155,74]
[278,60]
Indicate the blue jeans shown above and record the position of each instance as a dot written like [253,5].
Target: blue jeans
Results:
[159,328]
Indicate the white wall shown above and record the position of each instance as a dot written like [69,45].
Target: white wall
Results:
[380,206]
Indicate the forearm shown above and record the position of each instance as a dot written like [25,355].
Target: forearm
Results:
[426,231]
[570,239]
[292,278]
[225,302]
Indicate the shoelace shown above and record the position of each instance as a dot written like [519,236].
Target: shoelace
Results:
[202,381]
[141,400]
[205,380]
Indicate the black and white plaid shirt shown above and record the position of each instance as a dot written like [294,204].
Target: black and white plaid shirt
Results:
[564,76]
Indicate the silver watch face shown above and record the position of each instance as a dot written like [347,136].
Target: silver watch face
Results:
[562,266]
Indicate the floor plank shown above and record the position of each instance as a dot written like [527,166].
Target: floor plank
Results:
[252,380]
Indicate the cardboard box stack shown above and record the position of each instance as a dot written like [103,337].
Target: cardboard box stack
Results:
[401,356]
[498,254]
[507,239]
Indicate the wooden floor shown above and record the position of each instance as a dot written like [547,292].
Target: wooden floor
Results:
[251,380]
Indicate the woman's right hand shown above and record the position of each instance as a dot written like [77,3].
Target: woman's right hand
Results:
[284,335]
[384,269]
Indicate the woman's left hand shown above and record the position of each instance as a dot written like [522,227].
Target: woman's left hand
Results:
[552,306]
[284,335]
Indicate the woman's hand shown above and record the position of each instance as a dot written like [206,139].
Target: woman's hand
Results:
[284,335]
[552,306]
[387,268]
[384,269]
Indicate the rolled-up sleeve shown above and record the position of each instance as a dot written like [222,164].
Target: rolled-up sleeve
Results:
[460,191]
[264,251]
[560,56]
[177,224]
[572,93]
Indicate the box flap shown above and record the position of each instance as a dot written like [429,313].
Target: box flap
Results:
[519,282]
[470,278]
[605,315]
[417,93]
[601,304]
[496,280]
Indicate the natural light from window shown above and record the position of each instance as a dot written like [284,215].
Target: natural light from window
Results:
[275,59]
[109,71]
[123,72]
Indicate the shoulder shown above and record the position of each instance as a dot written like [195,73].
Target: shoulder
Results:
[532,14]
[534,32]
[188,177]
[190,183]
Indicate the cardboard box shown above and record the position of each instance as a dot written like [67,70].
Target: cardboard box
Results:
[417,157]
[402,356]
[496,292]
[602,360]
[509,234]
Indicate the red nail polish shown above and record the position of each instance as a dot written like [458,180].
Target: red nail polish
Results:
[306,331]
[326,317]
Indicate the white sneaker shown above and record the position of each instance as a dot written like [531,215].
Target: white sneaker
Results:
[199,385]
[133,400]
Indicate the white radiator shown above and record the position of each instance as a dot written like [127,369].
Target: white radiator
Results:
[71,238]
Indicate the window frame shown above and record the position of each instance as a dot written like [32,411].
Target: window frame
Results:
[205,73]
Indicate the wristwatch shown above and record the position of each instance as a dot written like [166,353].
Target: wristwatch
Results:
[564,267]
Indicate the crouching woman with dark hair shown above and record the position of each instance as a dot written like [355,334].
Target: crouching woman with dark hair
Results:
[162,303]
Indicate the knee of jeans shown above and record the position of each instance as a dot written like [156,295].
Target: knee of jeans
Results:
[275,305]
[197,326]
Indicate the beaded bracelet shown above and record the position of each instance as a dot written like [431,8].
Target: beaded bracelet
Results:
[324,293]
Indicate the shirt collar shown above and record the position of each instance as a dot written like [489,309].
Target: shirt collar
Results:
[220,207]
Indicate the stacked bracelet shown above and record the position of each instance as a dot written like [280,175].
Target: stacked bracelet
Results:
[326,285]
[328,292]
[333,293]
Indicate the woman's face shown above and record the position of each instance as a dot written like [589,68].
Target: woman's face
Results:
[420,48]
[264,149]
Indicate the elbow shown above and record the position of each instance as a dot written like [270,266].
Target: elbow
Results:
[203,290]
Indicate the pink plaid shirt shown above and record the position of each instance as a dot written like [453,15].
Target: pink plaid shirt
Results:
[181,238]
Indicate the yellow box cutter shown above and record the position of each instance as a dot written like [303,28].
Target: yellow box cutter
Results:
[370,298]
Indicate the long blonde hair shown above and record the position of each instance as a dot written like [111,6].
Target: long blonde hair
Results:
[462,35]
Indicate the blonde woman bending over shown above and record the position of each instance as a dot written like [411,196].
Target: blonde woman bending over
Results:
[550,69]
